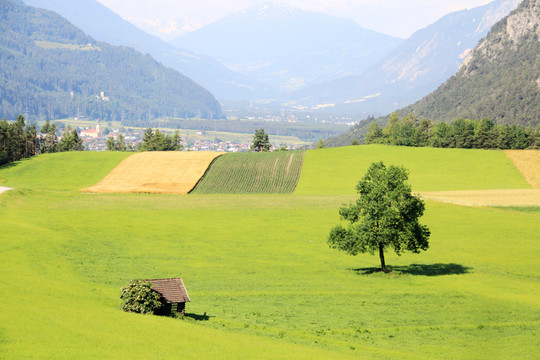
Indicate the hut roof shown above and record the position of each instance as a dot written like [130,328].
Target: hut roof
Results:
[172,290]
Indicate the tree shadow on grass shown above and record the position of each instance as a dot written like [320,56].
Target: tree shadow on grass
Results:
[198,317]
[420,269]
[12,164]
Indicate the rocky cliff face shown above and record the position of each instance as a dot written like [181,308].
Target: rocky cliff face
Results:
[499,79]
[414,69]
[524,22]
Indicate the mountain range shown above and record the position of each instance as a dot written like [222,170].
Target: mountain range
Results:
[498,80]
[105,25]
[51,69]
[414,68]
[289,48]
[302,60]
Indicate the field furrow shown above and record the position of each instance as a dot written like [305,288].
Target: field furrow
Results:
[252,173]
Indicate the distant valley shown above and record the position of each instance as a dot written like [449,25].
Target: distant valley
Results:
[267,62]
[276,57]
[288,48]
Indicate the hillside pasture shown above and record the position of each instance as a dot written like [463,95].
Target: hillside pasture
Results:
[252,173]
[158,172]
[338,170]
[263,282]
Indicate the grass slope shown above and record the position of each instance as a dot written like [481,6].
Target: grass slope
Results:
[259,267]
[252,173]
[61,171]
[338,170]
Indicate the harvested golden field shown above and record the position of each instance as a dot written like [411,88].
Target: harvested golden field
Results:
[165,172]
[528,163]
[506,197]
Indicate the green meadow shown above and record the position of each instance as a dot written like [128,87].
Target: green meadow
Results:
[337,170]
[263,282]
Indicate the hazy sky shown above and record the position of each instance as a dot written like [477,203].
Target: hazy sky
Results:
[394,17]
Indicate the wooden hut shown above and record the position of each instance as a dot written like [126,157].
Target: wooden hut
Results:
[173,295]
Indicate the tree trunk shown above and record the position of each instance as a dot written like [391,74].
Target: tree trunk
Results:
[381,255]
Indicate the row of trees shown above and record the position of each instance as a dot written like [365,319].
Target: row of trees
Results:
[159,141]
[152,141]
[19,140]
[462,133]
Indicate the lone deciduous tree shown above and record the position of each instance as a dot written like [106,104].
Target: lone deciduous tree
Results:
[385,216]
[261,141]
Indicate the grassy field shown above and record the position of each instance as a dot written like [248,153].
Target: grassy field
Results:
[259,268]
[338,170]
[252,173]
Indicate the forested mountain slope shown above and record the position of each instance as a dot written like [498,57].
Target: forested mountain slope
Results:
[51,69]
[105,25]
[415,68]
[500,79]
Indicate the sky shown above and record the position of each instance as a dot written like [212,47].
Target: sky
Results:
[399,18]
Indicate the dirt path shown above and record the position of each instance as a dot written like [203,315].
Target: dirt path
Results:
[507,197]
[4,189]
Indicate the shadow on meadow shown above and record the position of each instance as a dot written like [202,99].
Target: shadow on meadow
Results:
[198,317]
[10,164]
[420,269]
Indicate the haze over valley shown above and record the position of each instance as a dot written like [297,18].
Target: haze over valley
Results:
[275,56]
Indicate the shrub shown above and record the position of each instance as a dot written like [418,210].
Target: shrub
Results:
[138,297]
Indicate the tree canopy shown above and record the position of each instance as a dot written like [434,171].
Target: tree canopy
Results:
[461,133]
[261,141]
[70,141]
[159,141]
[384,217]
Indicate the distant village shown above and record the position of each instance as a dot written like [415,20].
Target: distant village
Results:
[95,139]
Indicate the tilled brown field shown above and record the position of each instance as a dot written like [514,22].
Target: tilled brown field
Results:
[528,163]
[171,172]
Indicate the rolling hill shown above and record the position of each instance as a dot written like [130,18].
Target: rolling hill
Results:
[51,69]
[263,282]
